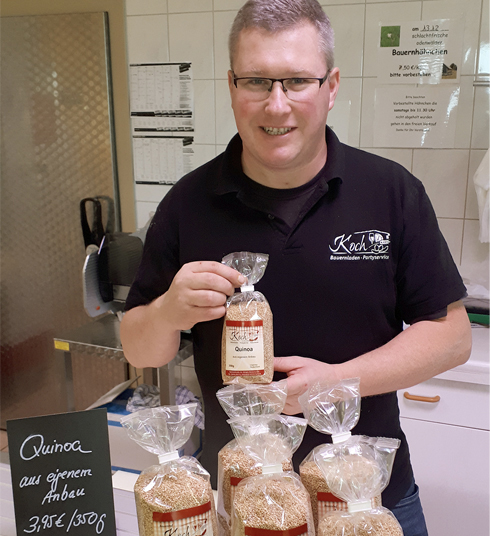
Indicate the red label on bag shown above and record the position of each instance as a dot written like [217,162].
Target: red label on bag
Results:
[328,502]
[327,497]
[244,347]
[302,529]
[244,323]
[195,521]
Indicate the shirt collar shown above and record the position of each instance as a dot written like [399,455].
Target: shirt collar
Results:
[232,179]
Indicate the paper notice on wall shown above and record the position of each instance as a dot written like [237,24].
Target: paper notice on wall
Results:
[420,52]
[162,110]
[162,160]
[161,97]
[415,116]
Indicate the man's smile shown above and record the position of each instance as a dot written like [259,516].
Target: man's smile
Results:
[274,131]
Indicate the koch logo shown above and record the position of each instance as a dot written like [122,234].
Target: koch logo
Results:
[363,245]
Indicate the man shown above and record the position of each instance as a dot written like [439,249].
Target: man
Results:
[353,243]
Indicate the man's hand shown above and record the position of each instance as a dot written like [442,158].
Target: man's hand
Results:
[198,293]
[420,352]
[150,334]
[303,372]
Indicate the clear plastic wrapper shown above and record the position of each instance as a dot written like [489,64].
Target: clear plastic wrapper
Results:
[275,500]
[357,471]
[233,463]
[175,495]
[333,410]
[242,399]
[247,347]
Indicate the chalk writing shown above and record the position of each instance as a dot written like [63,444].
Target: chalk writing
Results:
[34,445]
[46,522]
[53,478]
[61,474]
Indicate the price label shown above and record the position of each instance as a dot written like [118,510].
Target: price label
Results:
[61,474]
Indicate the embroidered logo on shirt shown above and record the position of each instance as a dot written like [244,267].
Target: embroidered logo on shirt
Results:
[361,246]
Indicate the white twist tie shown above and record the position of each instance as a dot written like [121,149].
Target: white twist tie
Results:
[268,469]
[168,456]
[359,506]
[247,288]
[341,437]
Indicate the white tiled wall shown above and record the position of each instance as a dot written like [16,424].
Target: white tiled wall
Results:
[197,31]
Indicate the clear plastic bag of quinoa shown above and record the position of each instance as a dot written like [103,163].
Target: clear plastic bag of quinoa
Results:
[274,502]
[175,495]
[357,471]
[233,463]
[333,410]
[247,345]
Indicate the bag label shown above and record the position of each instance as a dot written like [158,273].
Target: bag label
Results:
[297,531]
[234,481]
[244,347]
[328,502]
[189,522]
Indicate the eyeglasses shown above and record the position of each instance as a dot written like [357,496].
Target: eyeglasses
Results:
[296,88]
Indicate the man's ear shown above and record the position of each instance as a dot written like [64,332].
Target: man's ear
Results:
[333,81]
[230,80]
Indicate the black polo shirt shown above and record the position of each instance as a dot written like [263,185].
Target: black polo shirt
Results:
[364,255]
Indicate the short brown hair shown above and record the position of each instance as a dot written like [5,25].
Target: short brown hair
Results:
[277,15]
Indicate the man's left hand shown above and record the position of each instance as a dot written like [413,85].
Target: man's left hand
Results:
[302,372]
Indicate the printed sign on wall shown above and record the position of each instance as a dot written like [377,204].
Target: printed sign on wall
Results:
[162,160]
[161,96]
[162,121]
[420,52]
[415,116]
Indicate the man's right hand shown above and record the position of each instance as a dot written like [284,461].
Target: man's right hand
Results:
[198,293]
[150,334]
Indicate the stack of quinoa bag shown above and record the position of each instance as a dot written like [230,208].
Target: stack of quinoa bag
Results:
[263,446]
[345,478]
[174,496]
[234,464]
[258,490]
[274,502]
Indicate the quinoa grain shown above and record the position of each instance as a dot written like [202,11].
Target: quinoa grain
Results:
[251,309]
[377,523]
[179,489]
[314,482]
[234,463]
[273,502]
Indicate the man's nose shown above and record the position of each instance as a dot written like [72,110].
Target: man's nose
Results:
[277,100]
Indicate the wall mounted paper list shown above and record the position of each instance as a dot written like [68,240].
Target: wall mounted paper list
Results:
[162,97]
[162,160]
[61,474]
[162,104]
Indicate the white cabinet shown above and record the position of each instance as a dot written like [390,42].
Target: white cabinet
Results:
[449,444]
[451,468]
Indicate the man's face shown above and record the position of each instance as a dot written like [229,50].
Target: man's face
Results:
[279,134]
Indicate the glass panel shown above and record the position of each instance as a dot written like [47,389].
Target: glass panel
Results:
[56,148]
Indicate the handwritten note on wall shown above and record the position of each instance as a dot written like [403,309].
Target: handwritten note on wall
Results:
[61,474]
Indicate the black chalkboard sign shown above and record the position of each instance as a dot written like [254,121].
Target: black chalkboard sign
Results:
[61,474]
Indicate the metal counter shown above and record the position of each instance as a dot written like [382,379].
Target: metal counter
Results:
[101,337]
